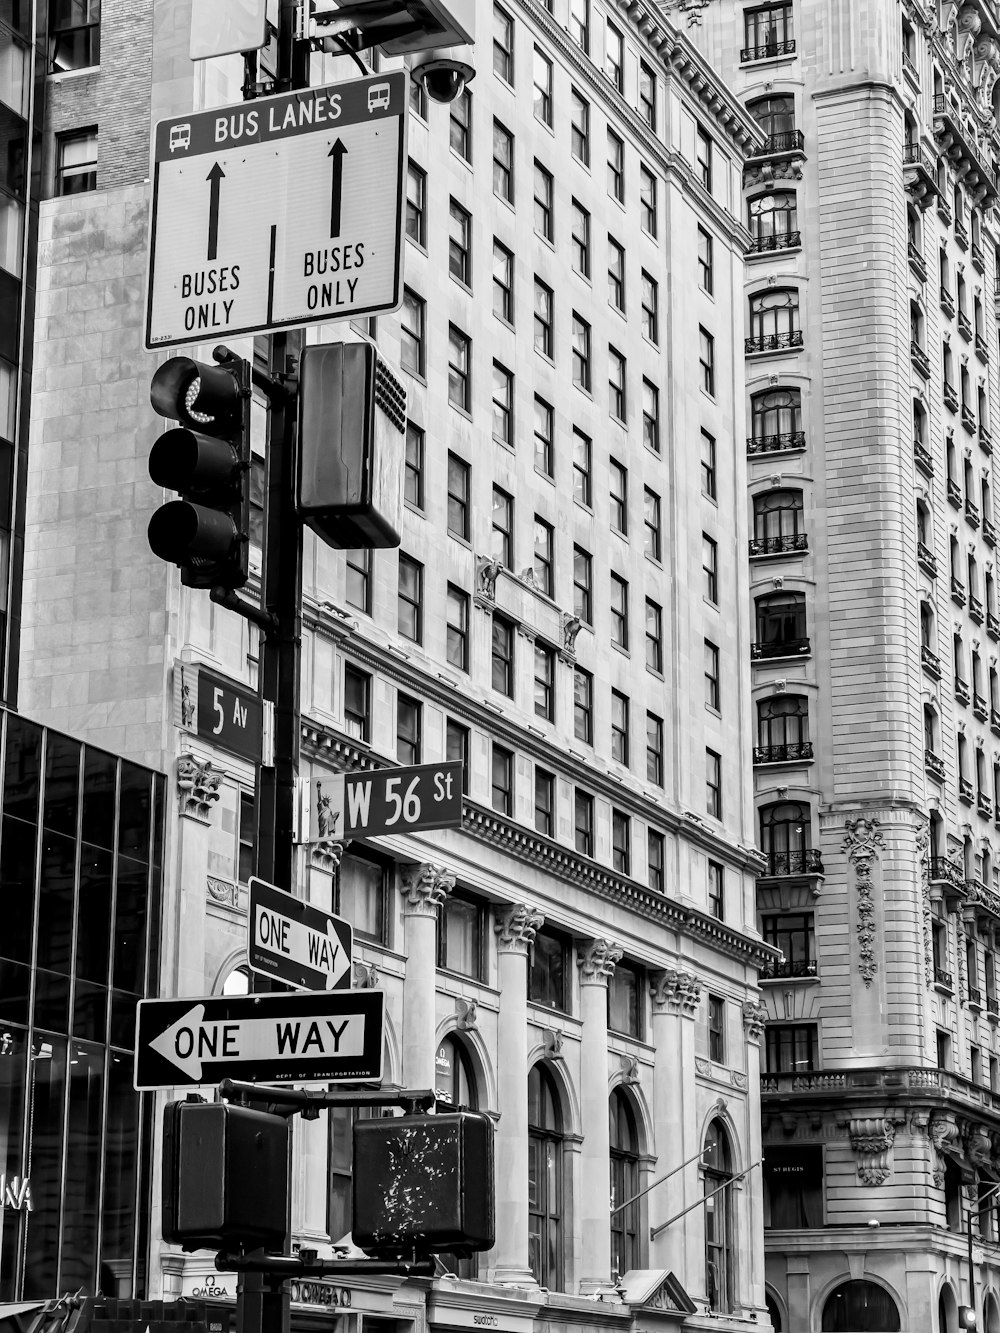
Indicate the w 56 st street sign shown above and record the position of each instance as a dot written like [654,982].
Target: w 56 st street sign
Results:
[388,800]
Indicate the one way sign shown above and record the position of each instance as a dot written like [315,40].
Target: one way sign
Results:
[295,942]
[335,1036]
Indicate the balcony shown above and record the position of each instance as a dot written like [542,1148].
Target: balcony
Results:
[982,351]
[961,149]
[980,707]
[944,210]
[793,752]
[950,395]
[805,862]
[989,533]
[942,871]
[983,804]
[995,721]
[985,439]
[802,969]
[993,625]
[772,342]
[769,51]
[957,591]
[787,144]
[795,541]
[965,326]
[974,998]
[920,359]
[975,609]
[765,245]
[943,979]
[919,175]
[978,258]
[968,419]
[765,652]
[895,1084]
[934,765]
[970,507]
[947,302]
[962,692]
[917,262]
[777,444]
[992,1006]
[926,560]
[966,793]
[985,902]
[930,661]
[954,492]
[922,458]
[961,233]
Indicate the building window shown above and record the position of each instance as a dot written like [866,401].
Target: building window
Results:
[650,415]
[418,101]
[713,784]
[416,204]
[711,675]
[503,45]
[619,611]
[76,168]
[459,360]
[545,802]
[650,308]
[545,1177]
[862,1304]
[623,1141]
[794,934]
[706,360]
[619,728]
[503,528]
[785,836]
[503,283]
[544,556]
[543,318]
[621,842]
[582,453]
[647,95]
[767,32]
[460,243]
[618,492]
[710,567]
[654,749]
[360,896]
[460,942]
[503,163]
[775,418]
[502,656]
[617,385]
[652,537]
[705,261]
[413,473]
[616,274]
[583,822]
[703,157]
[776,116]
[74,36]
[647,200]
[579,30]
[460,125]
[542,80]
[543,202]
[411,595]
[358,590]
[780,624]
[545,681]
[789,1048]
[408,720]
[614,56]
[656,860]
[616,167]
[580,239]
[456,748]
[581,353]
[458,628]
[503,405]
[716,1029]
[774,320]
[458,497]
[547,979]
[246,850]
[411,333]
[583,585]
[543,430]
[502,780]
[580,127]
[357,703]
[773,220]
[716,890]
[583,705]
[654,636]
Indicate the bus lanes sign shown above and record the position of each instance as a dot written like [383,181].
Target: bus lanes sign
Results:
[279,212]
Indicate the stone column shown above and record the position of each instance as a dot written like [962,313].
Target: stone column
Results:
[754,1016]
[198,782]
[425,888]
[675,999]
[515,927]
[596,960]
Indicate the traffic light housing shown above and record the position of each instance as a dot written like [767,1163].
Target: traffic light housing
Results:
[424,1183]
[207,460]
[967,1317]
[225,1176]
[352,420]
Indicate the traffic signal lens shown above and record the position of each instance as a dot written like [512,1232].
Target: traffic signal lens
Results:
[190,398]
[188,533]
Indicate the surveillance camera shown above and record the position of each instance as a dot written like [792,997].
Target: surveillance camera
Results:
[443,77]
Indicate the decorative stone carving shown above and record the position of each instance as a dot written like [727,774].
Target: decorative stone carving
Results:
[468,1015]
[969,24]
[425,887]
[979,1148]
[365,976]
[862,845]
[222,891]
[552,1043]
[922,842]
[596,960]
[487,569]
[945,1138]
[327,853]
[739,1079]
[570,629]
[528,576]
[702,1065]
[872,1138]
[516,927]
[768,173]
[198,784]
[676,990]
[691,8]
[630,1070]
[754,1016]
[987,67]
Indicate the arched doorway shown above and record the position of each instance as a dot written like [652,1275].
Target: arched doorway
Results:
[545,1179]
[860,1307]
[624,1144]
[719,1220]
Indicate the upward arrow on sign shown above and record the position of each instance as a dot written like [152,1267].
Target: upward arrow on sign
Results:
[338,152]
[214,176]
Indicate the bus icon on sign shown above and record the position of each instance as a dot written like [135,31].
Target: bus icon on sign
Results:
[378,97]
[180,137]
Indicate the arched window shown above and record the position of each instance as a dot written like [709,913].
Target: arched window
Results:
[777,523]
[942,1314]
[774,320]
[780,624]
[773,220]
[782,729]
[719,1220]
[772,1311]
[776,117]
[916,324]
[776,419]
[923,524]
[785,837]
[930,729]
[919,424]
[237,983]
[992,1315]
[454,1080]
[624,1140]
[860,1307]
[545,1180]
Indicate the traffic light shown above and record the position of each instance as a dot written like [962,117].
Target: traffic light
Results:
[206,459]
[352,417]
[225,1176]
[424,1183]
[967,1317]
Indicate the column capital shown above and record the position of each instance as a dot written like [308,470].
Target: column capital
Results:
[425,887]
[675,991]
[754,1016]
[198,784]
[596,960]
[327,853]
[516,927]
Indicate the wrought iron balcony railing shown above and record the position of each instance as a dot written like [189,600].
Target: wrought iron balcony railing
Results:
[992,1005]
[934,765]
[975,609]
[993,624]
[978,258]
[979,706]
[923,459]
[768,51]
[942,871]
[793,541]
[995,720]
[782,240]
[927,559]
[965,791]
[961,233]
[971,508]
[917,261]
[773,342]
[974,997]
[781,754]
[942,977]
[950,395]
[780,648]
[982,348]
[947,301]
[773,444]
[920,359]
[807,861]
[968,419]
[983,804]
[954,492]
[797,968]
[785,141]
[930,661]
[989,533]
[957,591]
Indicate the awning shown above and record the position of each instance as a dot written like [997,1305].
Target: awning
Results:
[19,1307]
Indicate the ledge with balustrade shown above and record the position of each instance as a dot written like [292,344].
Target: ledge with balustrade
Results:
[793,752]
[782,443]
[800,969]
[782,545]
[922,458]
[899,1083]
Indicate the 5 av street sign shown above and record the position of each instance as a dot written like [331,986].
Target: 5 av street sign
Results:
[389,800]
[295,942]
[331,1037]
[282,211]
